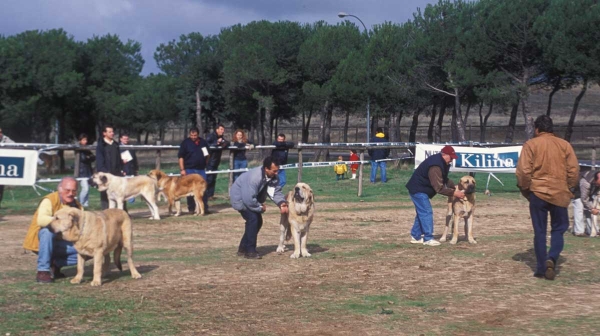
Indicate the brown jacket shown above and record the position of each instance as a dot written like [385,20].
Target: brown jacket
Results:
[549,168]
[32,241]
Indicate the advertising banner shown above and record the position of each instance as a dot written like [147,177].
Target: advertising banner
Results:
[475,159]
[18,167]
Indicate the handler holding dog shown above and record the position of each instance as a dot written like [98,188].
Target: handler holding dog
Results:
[53,252]
[248,195]
[429,179]
[546,173]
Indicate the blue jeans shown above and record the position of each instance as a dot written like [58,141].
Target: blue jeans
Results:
[84,194]
[254,222]
[190,200]
[559,223]
[61,251]
[282,178]
[382,166]
[239,164]
[424,220]
[339,176]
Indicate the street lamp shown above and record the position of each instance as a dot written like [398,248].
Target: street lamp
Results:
[342,15]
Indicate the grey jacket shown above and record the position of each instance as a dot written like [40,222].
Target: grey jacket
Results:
[250,191]
[588,189]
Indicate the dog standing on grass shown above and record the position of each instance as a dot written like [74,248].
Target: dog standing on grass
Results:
[461,208]
[296,222]
[173,188]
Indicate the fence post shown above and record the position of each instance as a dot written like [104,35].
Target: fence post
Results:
[77,163]
[299,162]
[360,173]
[158,143]
[231,158]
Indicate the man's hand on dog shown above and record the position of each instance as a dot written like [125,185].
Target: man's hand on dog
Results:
[284,208]
[459,194]
[595,212]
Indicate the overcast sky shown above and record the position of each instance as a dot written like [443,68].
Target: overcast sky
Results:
[153,22]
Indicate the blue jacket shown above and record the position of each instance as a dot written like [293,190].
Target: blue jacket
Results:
[419,181]
[281,151]
[193,157]
[251,189]
[379,154]
[108,158]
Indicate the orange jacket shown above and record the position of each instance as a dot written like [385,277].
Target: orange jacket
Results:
[549,168]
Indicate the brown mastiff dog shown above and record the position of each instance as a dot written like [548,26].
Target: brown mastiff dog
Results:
[461,208]
[296,223]
[176,187]
[95,235]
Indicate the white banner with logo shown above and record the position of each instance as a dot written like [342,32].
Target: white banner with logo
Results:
[475,159]
[18,167]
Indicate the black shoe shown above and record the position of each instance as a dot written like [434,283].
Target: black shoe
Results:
[539,275]
[56,273]
[550,273]
[252,255]
[241,253]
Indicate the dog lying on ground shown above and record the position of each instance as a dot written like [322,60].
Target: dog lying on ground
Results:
[176,187]
[95,235]
[120,189]
[297,222]
[461,208]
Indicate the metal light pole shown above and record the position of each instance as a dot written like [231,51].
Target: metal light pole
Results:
[343,15]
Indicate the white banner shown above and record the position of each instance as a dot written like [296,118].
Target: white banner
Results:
[18,167]
[476,159]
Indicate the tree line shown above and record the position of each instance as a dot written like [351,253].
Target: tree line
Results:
[452,61]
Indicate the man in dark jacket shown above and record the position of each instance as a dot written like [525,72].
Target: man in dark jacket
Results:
[193,157]
[217,142]
[248,195]
[430,178]
[86,157]
[379,154]
[281,154]
[130,166]
[108,159]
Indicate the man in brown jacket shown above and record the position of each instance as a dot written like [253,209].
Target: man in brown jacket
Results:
[547,173]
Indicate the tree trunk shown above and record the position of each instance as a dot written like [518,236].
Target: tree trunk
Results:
[269,125]
[483,121]
[317,153]
[467,114]
[251,133]
[440,121]
[146,138]
[432,122]
[412,136]
[397,124]
[327,138]
[346,122]
[510,131]
[453,126]
[460,125]
[569,131]
[555,89]
[199,111]
[276,127]
[306,126]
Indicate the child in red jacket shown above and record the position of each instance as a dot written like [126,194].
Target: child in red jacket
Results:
[354,166]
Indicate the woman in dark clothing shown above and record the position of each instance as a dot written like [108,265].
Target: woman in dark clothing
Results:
[86,157]
[239,158]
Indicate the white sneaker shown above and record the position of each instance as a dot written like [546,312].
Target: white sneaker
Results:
[432,242]
[414,241]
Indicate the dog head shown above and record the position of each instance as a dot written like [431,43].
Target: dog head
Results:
[66,221]
[156,174]
[467,183]
[100,180]
[303,194]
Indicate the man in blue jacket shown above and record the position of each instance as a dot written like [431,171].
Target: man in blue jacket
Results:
[193,158]
[379,154]
[430,178]
[280,152]
[248,195]
[108,159]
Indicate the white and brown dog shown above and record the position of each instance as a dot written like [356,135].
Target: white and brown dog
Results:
[296,222]
[461,208]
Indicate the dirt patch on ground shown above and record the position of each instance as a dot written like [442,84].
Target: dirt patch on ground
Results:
[364,277]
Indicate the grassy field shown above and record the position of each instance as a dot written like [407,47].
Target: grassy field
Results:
[363,278]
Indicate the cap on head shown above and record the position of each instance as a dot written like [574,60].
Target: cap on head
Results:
[450,151]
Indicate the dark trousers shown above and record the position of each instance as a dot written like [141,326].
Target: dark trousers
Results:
[254,222]
[211,182]
[559,223]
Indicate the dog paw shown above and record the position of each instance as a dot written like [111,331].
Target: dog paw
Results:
[453,242]
[305,254]
[176,215]
[136,275]
[95,283]
[76,281]
[443,239]
[472,241]
[295,255]
[280,249]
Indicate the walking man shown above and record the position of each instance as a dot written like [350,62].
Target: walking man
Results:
[547,172]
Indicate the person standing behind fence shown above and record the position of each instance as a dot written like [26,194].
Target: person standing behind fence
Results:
[340,169]
[239,157]
[281,153]
[130,161]
[86,157]
[5,140]
[353,166]
[589,184]
[379,154]
[108,159]
[216,140]
[547,171]
[193,157]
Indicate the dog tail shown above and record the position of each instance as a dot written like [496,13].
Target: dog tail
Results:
[117,256]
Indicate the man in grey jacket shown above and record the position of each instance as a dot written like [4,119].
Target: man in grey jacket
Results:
[589,185]
[248,195]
